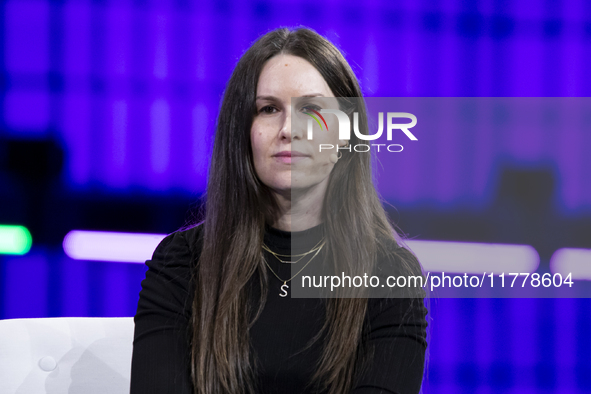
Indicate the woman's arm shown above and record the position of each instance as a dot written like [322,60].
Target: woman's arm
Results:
[395,347]
[161,352]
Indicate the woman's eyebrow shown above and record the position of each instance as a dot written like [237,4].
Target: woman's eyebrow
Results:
[271,98]
[275,98]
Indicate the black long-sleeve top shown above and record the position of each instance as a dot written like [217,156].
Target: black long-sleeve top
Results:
[161,350]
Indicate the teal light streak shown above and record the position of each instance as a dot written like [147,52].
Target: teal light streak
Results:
[15,240]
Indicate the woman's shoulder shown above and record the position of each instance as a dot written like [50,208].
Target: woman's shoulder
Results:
[193,236]
[178,249]
[168,287]
[395,258]
[401,276]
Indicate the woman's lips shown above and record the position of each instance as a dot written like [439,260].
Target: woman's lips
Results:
[289,157]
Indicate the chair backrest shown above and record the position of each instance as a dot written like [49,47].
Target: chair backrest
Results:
[71,355]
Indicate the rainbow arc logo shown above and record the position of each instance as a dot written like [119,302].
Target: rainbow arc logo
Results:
[316,119]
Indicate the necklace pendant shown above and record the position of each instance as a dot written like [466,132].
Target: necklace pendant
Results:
[284,294]
[287,262]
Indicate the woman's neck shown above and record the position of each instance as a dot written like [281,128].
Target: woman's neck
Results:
[300,210]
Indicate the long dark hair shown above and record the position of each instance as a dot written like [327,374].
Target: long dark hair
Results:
[238,206]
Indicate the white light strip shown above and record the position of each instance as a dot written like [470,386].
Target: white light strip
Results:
[108,246]
[570,260]
[474,258]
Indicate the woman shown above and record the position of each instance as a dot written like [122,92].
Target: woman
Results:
[213,315]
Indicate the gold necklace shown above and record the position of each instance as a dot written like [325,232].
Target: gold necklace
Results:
[316,247]
[285,286]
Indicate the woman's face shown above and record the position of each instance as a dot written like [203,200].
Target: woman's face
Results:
[284,158]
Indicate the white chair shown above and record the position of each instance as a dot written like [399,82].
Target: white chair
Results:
[70,355]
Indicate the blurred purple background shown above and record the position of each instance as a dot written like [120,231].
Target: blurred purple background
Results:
[108,115]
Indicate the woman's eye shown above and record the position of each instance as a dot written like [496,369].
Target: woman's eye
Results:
[311,108]
[267,109]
